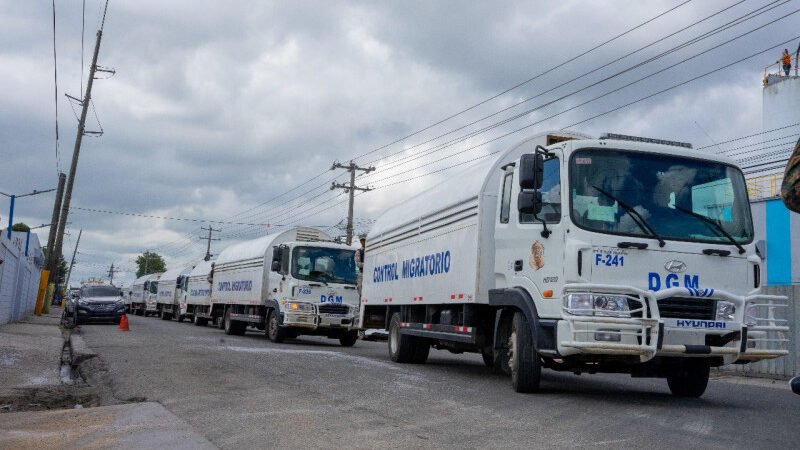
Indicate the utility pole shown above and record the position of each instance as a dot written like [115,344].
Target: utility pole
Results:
[72,263]
[111,272]
[350,188]
[52,258]
[208,246]
[87,99]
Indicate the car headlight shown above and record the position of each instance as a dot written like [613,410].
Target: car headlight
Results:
[83,302]
[751,315]
[725,310]
[603,305]
[299,307]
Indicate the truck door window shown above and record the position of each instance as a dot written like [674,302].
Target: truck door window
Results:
[551,195]
[505,202]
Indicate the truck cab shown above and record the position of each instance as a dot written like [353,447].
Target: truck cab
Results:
[315,288]
[290,283]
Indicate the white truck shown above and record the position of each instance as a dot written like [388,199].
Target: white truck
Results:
[170,291]
[289,283]
[619,254]
[142,291]
[197,293]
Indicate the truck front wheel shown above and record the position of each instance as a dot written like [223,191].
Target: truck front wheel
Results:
[199,321]
[404,348]
[523,359]
[348,339]
[690,379]
[275,333]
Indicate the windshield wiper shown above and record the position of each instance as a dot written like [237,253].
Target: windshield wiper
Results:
[714,226]
[637,218]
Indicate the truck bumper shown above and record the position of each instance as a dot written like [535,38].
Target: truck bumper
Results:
[320,322]
[643,333]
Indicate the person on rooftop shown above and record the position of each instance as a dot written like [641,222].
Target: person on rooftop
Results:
[786,60]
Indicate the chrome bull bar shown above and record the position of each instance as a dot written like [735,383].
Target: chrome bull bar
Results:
[640,331]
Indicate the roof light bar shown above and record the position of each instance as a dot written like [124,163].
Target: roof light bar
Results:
[623,137]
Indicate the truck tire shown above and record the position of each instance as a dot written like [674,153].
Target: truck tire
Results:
[488,358]
[199,321]
[690,379]
[403,348]
[233,327]
[526,370]
[348,339]
[273,330]
[165,315]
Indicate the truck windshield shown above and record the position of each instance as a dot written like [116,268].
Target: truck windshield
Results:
[661,189]
[325,265]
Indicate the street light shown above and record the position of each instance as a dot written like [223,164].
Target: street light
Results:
[11,209]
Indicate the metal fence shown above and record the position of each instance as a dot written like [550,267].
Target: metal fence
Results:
[789,365]
[19,275]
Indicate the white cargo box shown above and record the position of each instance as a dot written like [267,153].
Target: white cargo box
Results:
[438,247]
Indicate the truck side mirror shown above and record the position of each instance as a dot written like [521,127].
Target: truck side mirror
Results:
[531,171]
[529,202]
[276,266]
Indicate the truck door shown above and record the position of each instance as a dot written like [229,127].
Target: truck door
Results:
[525,256]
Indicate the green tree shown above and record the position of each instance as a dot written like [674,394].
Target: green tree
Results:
[149,262]
[20,227]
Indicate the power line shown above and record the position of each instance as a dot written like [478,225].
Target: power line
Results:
[555,67]
[618,36]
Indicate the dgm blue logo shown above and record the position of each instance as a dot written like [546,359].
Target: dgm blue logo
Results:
[654,281]
[331,299]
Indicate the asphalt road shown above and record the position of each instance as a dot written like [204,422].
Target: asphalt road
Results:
[246,392]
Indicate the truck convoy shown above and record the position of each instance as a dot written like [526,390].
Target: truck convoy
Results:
[169,291]
[619,254]
[289,283]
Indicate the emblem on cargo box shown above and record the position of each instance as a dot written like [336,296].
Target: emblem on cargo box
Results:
[536,258]
[675,266]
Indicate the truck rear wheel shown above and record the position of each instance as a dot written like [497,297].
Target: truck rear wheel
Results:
[233,327]
[274,331]
[199,321]
[690,379]
[523,359]
[165,315]
[348,339]
[404,348]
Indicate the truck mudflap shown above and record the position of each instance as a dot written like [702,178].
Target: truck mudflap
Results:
[640,329]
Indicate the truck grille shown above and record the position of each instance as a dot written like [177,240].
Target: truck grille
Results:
[333,309]
[687,308]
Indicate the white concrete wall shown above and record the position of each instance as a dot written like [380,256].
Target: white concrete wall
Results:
[19,276]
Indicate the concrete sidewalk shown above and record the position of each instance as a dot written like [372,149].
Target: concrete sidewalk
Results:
[40,409]
[30,351]
[130,426]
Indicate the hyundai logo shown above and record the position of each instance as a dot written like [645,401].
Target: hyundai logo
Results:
[675,266]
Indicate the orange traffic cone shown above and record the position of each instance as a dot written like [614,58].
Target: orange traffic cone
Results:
[123,323]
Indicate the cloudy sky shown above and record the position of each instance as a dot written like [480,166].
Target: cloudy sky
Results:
[234,111]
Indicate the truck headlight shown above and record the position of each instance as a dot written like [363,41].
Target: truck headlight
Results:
[751,315]
[611,305]
[597,305]
[579,304]
[299,307]
[725,310]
